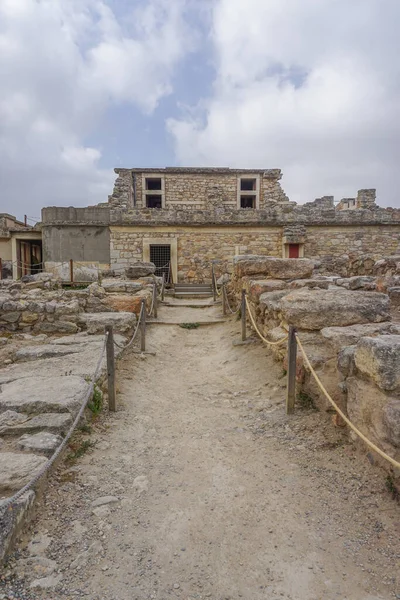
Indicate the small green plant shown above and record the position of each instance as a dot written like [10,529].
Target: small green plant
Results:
[239,315]
[85,428]
[283,374]
[305,401]
[79,449]
[96,403]
[392,488]
[189,325]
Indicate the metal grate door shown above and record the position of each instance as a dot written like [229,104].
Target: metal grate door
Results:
[160,255]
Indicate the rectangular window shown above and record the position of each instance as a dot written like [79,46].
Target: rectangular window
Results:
[153,183]
[248,185]
[153,200]
[248,192]
[247,202]
[153,190]
[294,250]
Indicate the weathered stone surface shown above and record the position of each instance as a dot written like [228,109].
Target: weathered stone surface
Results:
[45,351]
[316,309]
[11,418]
[345,361]
[379,359]
[257,287]
[104,500]
[95,323]
[140,269]
[391,421]
[42,442]
[271,301]
[46,583]
[357,283]
[17,469]
[340,337]
[56,423]
[58,327]
[366,406]
[11,317]
[43,395]
[277,268]
[128,302]
[311,284]
[121,286]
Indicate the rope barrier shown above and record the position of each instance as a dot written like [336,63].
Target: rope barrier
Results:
[216,286]
[9,501]
[233,312]
[381,453]
[259,332]
[134,333]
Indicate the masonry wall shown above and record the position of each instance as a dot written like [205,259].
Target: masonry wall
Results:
[81,243]
[194,189]
[376,241]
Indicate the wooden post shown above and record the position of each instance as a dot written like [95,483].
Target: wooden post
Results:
[223,299]
[213,284]
[291,373]
[143,327]
[163,287]
[243,311]
[155,307]
[71,270]
[1,269]
[111,369]
[25,220]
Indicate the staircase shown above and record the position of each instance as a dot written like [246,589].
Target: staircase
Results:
[192,290]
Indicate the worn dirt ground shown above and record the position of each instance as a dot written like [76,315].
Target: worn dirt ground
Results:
[217,494]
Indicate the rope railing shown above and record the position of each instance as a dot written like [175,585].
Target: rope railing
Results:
[135,332]
[8,502]
[226,301]
[321,386]
[264,339]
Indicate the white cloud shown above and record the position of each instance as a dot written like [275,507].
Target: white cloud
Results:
[62,63]
[311,87]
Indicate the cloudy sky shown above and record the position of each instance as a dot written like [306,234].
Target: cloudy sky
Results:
[311,87]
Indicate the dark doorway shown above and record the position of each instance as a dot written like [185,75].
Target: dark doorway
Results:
[160,255]
[294,251]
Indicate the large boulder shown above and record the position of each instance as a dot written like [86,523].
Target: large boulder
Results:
[340,337]
[128,302]
[277,268]
[260,286]
[316,309]
[140,269]
[379,359]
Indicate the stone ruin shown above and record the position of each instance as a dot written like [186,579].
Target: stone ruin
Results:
[349,327]
[51,339]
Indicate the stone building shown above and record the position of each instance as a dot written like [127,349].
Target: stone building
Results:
[20,248]
[189,217]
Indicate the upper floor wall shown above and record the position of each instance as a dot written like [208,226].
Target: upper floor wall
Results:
[196,188]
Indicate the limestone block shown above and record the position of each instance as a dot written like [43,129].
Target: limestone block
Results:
[339,337]
[379,359]
[42,442]
[257,287]
[11,317]
[140,269]
[58,327]
[45,351]
[316,309]
[277,268]
[56,423]
[128,302]
[95,323]
[120,286]
[311,284]
[29,317]
[271,301]
[43,394]
[17,469]
[367,407]
[345,361]
[391,421]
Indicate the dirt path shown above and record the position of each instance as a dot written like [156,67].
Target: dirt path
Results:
[216,493]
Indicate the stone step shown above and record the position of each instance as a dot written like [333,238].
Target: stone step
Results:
[56,423]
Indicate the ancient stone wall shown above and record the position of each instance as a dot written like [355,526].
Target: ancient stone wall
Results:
[352,241]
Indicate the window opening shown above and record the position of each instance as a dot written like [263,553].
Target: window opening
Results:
[248,185]
[294,250]
[153,183]
[153,201]
[247,202]
[160,255]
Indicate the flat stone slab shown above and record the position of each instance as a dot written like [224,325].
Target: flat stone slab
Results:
[46,351]
[56,423]
[11,418]
[38,394]
[17,469]
[42,442]
[96,322]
